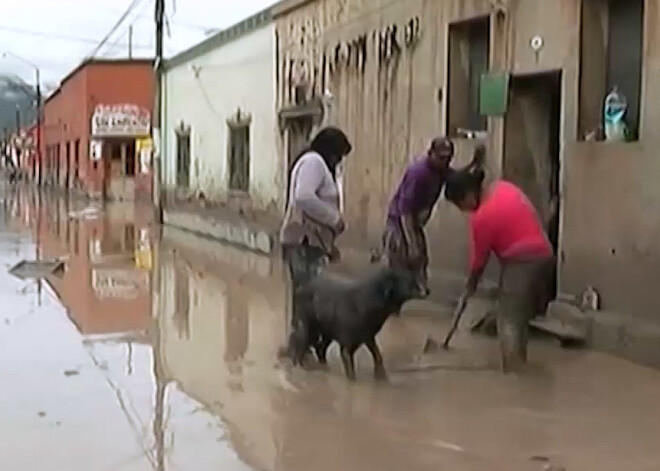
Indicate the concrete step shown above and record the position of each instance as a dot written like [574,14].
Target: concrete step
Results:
[567,334]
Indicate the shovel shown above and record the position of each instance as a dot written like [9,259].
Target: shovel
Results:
[430,345]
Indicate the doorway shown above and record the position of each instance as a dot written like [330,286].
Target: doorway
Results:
[183,159]
[119,158]
[67,165]
[531,152]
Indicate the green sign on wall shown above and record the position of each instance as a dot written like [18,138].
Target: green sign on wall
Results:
[494,93]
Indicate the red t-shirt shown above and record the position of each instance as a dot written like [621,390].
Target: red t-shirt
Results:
[507,224]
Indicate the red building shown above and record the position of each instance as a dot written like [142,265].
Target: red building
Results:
[94,124]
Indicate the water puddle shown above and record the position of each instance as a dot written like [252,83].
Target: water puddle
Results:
[161,354]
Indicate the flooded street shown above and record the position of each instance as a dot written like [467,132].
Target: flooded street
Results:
[160,354]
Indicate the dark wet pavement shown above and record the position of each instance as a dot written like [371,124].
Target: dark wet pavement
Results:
[161,355]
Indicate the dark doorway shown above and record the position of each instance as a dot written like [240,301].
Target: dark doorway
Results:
[531,150]
[182,159]
[76,162]
[57,164]
[67,165]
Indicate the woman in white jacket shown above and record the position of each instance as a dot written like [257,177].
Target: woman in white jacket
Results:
[313,219]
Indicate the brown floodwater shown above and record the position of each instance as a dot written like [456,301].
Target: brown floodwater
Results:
[160,354]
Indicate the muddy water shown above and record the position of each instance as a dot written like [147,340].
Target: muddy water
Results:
[160,354]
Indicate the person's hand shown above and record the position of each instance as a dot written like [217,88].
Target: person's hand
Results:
[340,227]
[479,156]
[335,255]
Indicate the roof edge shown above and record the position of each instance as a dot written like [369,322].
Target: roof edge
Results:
[286,6]
[94,61]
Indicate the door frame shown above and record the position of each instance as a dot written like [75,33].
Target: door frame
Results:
[554,78]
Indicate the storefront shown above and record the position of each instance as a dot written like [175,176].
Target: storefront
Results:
[120,144]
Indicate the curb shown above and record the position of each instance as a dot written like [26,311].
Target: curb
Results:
[613,332]
[241,234]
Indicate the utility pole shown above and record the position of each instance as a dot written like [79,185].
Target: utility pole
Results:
[38,163]
[130,42]
[159,15]
[18,121]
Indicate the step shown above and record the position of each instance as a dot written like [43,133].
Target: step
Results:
[566,333]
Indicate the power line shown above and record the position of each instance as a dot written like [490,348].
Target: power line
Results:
[62,37]
[135,19]
[116,26]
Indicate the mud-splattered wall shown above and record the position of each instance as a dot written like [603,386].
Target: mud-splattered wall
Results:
[392,106]
[383,62]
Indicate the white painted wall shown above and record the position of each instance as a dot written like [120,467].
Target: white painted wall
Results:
[237,74]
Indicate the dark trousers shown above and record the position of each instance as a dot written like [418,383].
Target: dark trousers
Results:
[522,283]
[304,263]
[398,254]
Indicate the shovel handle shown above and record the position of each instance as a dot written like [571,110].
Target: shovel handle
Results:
[458,313]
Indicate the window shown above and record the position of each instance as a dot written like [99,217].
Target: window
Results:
[611,40]
[469,44]
[239,156]
[76,161]
[183,156]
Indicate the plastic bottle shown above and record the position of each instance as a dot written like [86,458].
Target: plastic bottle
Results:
[614,112]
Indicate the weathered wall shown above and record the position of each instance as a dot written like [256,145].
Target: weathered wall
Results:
[608,221]
[612,224]
[66,120]
[393,108]
[238,74]
[390,109]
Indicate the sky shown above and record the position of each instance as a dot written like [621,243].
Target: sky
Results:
[56,35]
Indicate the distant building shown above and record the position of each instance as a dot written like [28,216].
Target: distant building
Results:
[219,130]
[95,124]
[23,151]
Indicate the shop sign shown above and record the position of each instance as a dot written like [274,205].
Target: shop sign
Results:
[119,283]
[121,121]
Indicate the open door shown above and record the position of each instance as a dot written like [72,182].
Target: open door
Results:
[531,151]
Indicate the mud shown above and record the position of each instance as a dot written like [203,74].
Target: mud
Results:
[152,354]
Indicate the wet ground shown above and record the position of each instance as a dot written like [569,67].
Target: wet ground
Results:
[160,355]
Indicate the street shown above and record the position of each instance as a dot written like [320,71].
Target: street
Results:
[150,354]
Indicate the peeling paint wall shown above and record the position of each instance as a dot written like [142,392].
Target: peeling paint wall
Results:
[384,64]
[609,222]
[204,93]
[611,228]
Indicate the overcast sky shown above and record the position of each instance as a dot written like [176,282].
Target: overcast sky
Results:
[57,34]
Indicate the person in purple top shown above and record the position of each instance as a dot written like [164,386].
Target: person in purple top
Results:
[404,240]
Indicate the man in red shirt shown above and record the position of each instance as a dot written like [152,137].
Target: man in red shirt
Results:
[503,221]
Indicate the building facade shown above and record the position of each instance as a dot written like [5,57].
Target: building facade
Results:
[95,125]
[219,136]
[401,72]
